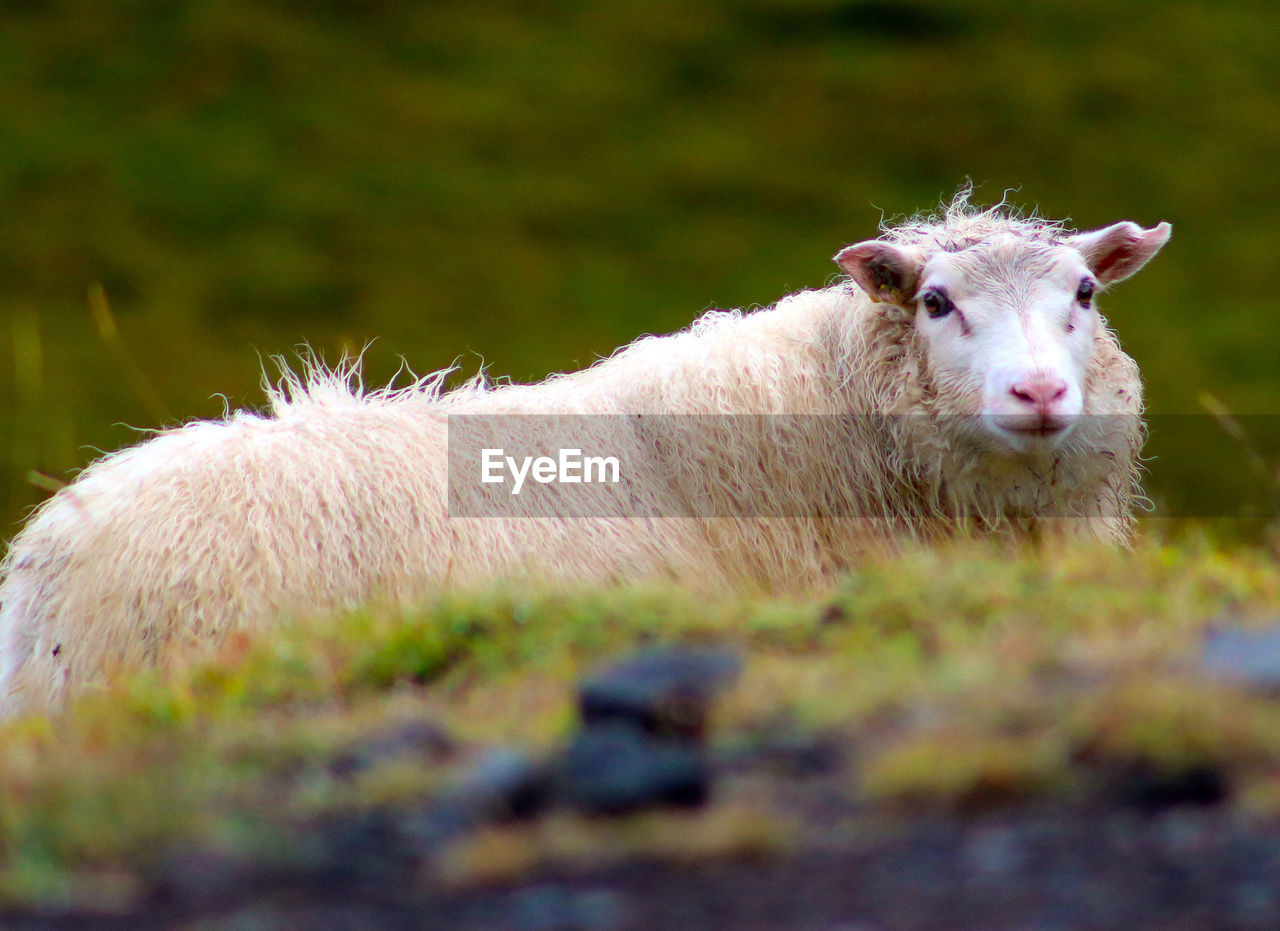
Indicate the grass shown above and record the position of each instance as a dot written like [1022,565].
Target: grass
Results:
[958,678]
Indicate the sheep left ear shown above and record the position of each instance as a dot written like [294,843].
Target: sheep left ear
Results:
[887,272]
[1117,251]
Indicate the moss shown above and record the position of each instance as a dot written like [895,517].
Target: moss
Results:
[1176,723]
[573,843]
[966,771]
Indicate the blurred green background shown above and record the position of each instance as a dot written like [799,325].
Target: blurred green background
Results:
[534,183]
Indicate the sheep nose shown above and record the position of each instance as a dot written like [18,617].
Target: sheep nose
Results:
[1041,392]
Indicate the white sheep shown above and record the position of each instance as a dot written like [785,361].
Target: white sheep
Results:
[961,379]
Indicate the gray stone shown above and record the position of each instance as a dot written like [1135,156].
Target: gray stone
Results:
[614,768]
[664,691]
[1248,657]
[504,784]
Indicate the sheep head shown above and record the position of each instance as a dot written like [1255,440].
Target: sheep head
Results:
[1006,320]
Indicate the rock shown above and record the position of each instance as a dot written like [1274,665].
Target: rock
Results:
[548,906]
[662,691]
[1248,657]
[1150,787]
[201,878]
[504,784]
[613,768]
[993,853]
[555,907]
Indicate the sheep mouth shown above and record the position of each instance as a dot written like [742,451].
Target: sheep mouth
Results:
[1044,430]
[1026,432]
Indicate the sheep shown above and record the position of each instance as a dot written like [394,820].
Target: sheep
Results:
[958,380]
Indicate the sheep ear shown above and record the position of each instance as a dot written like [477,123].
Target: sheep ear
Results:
[1117,251]
[886,272]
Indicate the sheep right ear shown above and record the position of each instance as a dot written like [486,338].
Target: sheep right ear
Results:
[886,272]
[1117,251]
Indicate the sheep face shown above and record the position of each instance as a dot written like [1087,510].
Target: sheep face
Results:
[1008,329]
[1007,325]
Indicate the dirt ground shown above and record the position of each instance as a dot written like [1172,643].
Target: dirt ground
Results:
[1045,866]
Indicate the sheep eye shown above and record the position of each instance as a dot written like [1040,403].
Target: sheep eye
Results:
[1085,293]
[936,304]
